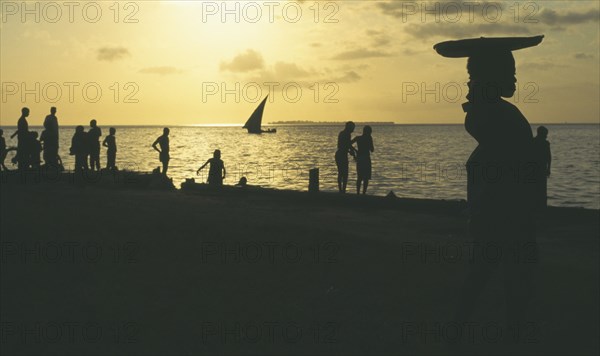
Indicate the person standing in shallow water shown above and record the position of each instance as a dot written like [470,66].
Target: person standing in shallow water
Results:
[163,152]
[216,172]
[110,142]
[344,147]
[94,141]
[364,144]
[543,157]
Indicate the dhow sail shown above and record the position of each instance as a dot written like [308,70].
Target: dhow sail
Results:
[254,122]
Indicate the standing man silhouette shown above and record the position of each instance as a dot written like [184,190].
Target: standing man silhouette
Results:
[23,138]
[500,186]
[163,152]
[344,146]
[51,138]
[94,145]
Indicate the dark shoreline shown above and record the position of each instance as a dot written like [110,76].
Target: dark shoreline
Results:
[171,268]
[153,181]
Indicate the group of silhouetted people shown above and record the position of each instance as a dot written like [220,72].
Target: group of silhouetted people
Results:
[29,147]
[85,146]
[362,155]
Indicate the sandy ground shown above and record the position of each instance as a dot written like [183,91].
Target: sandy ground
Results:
[88,270]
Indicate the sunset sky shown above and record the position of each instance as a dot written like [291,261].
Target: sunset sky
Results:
[338,60]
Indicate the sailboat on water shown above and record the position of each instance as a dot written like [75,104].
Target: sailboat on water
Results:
[253,125]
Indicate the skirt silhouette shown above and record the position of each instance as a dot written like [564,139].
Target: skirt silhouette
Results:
[363,167]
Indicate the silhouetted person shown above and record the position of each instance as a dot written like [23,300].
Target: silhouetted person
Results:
[499,182]
[364,144]
[344,147]
[111,153]
[163,152]
[94,145]
[243,183]
[23,138]
[216,172]
[543,157]
[35,150]
[79,149]
[50,138]
[3,151]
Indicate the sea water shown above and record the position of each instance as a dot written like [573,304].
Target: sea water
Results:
[419,161]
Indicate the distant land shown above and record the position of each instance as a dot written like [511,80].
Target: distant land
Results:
[308,122]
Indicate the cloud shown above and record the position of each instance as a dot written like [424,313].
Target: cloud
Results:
[455,30]
[244,62]
[553,17]
[164,70]
[447,10]
[360,53]
[379,38]
[348,77]
[540,66]
[583,56]
[316,44]
[291,70]
[111,54]
[284,72]
[410,52]
[466,11]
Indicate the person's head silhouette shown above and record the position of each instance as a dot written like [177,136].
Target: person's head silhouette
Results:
[494,72]
[542,132]
[349,126]
[491,65]
[93,123]
[79,129]
[166,131]
[34,134]
[112,131]
[25,112]
[367,130]
[53,110]
[217,154]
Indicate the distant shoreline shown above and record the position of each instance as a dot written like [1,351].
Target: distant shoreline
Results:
[315,123]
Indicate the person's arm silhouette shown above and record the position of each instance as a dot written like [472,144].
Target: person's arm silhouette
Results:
[105,143]
[154,145]
[352,150]
[224,171]
[202,167]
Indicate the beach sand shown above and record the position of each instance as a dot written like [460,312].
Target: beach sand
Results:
[105,270]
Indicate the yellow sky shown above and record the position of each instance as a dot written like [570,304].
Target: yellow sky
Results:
[193,62]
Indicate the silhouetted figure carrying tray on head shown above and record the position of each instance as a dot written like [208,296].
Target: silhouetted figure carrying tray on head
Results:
[500,172]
